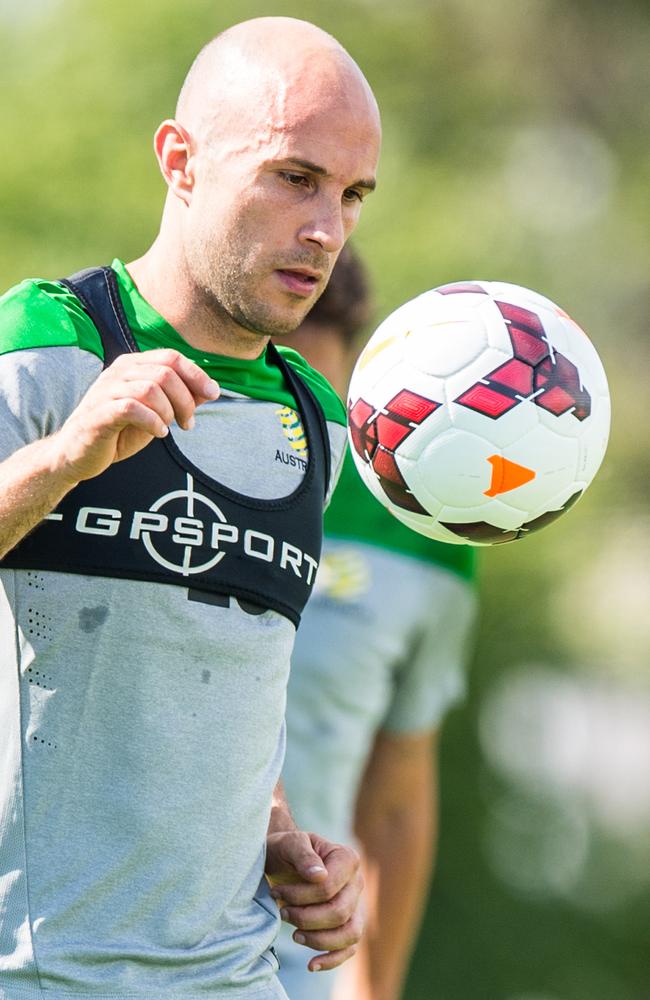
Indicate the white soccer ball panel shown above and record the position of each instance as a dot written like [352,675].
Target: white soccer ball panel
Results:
[554,461]
[374,365]
[455,336]
[452,468]
[510,426]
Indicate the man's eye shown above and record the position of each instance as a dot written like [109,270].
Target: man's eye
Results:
[296,180]
[352,195]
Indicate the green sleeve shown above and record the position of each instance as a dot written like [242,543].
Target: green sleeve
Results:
[38,313]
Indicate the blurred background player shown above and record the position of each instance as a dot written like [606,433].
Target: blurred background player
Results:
[379,659]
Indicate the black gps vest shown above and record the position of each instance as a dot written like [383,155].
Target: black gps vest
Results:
[156,516]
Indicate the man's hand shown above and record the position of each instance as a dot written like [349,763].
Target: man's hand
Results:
[317,885]
[134,400]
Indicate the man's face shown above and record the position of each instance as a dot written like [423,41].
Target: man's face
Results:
[273,204]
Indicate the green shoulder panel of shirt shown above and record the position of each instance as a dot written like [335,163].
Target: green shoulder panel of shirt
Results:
[355,514]
[40,313]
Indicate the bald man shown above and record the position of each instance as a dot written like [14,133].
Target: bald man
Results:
[164,470]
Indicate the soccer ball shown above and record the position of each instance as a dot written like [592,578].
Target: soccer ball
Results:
[478,412]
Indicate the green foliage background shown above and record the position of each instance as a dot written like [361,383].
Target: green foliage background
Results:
[516,148]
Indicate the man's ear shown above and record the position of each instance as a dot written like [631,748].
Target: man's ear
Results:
[173,148]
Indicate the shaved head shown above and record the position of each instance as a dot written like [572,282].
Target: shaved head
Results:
[267,72]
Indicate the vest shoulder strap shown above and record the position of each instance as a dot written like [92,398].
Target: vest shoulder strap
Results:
[96,288]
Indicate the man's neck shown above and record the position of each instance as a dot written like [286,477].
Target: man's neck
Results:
[167,287]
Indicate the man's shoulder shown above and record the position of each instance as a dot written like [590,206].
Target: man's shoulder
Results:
[330,401]
[39,313]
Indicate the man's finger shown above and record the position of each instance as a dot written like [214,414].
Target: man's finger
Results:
[342,866]
[333,940]
[322,916]
[199,383]
[292,859]
[308,864]
[331,960]
[128,413]
[148,393]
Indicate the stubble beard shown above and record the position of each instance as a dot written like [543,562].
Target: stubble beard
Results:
[225,286]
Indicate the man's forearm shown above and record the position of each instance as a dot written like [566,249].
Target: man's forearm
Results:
[32,482]
[281,818]
[403,874]
[396,823]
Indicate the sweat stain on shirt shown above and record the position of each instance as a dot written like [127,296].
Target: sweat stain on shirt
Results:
[91,618]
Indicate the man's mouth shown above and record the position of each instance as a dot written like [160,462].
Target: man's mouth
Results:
[299,280]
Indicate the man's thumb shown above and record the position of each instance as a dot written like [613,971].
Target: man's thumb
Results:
[309,864]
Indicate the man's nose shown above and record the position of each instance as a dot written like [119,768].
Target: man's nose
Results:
[326,227]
